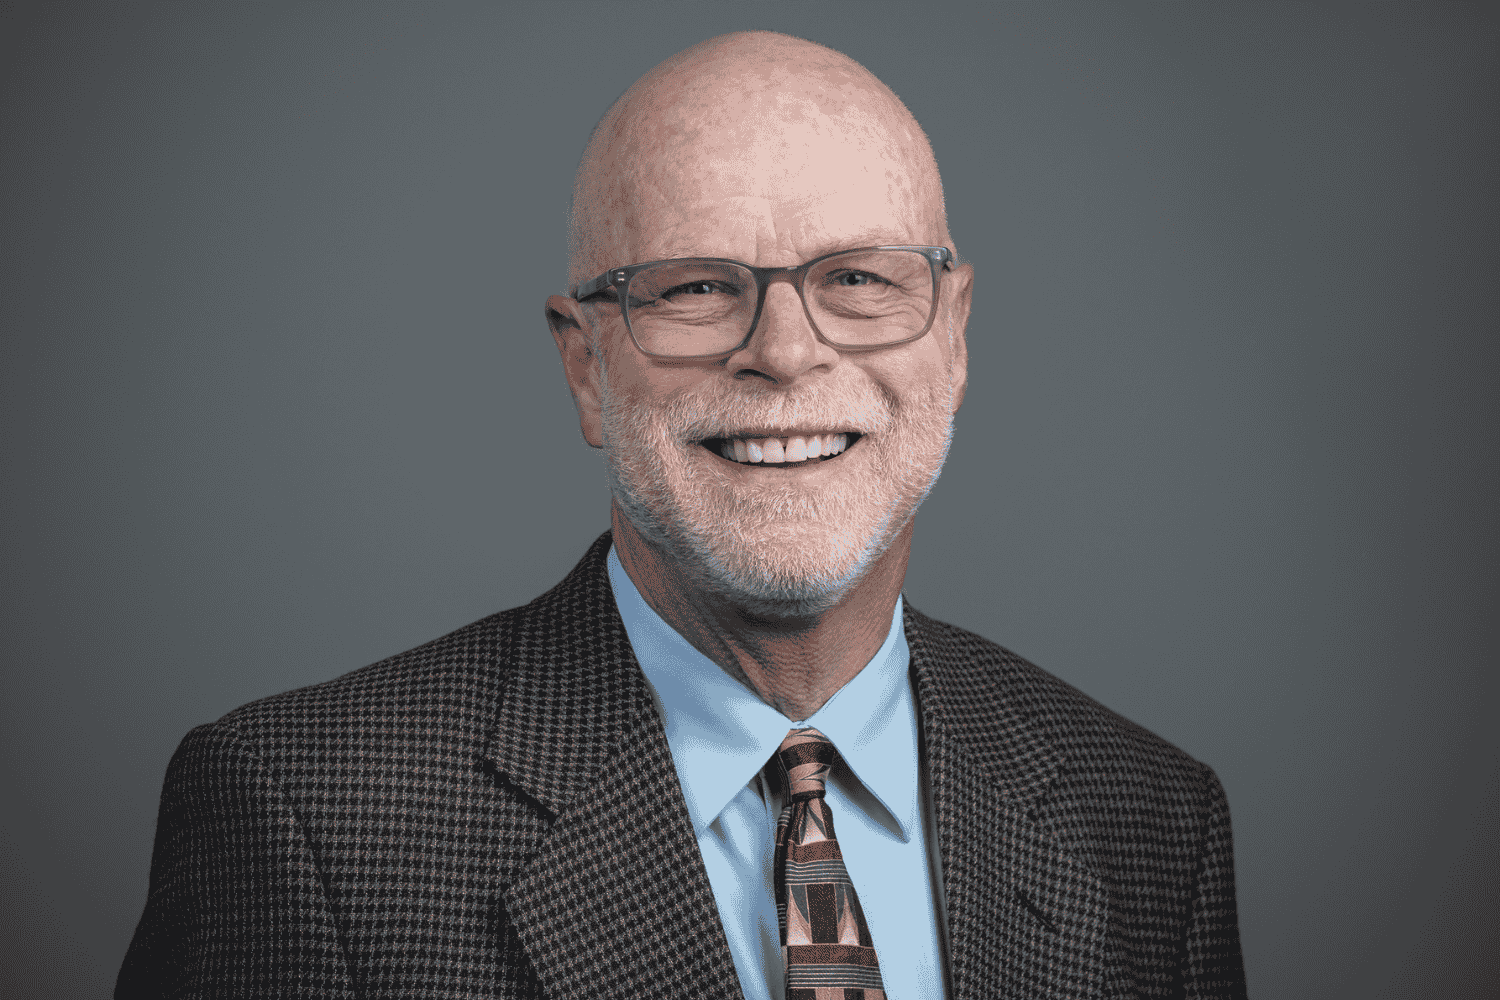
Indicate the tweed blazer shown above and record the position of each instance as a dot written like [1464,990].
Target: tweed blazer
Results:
[496,814]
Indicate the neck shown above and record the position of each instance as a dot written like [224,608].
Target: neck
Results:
[796,663]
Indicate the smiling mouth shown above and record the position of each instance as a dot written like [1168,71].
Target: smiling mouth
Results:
[793,451]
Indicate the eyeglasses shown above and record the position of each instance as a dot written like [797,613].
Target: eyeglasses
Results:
[704,307]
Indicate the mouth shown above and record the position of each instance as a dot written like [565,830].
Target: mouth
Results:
[793,451]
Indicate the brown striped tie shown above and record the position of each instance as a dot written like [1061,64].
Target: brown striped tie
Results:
[825,945]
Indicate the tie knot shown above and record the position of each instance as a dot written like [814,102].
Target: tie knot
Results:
[806,756]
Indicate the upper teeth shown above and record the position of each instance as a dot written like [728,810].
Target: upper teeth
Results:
[785,449]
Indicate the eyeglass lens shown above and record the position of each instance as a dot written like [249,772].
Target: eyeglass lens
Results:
[860,299]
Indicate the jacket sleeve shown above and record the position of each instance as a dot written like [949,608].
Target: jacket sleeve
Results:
[236,906]
[1214,966]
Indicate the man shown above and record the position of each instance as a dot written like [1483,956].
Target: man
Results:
[722,757]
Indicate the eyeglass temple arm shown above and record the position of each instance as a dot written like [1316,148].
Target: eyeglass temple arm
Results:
[604,283]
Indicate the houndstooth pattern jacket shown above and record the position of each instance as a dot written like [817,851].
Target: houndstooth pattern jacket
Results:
[495,814]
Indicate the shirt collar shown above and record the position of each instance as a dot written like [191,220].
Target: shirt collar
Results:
[721,733]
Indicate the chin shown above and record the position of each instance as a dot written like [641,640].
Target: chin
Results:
[791,559]
[786,576]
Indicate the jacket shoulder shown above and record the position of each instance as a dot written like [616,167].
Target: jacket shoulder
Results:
[992,692]
[311,799]
[1055,706]
[446,685]
[439,699]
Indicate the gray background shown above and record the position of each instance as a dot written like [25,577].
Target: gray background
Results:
[279,401]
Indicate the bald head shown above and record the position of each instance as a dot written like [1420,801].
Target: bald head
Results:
[757,146]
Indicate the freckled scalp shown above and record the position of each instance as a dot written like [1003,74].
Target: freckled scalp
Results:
[728,105]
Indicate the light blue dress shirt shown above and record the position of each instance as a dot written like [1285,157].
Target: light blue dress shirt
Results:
[721,734]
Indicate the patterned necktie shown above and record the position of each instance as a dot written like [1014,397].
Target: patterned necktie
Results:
[825,945]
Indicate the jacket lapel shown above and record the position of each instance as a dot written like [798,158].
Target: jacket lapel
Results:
[615,901]
[1026,918]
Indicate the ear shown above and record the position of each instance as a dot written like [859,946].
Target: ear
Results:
[960,285]
[575,342]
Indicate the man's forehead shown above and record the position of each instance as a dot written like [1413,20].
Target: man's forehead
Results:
[795,188]
[752,159]
[765,231]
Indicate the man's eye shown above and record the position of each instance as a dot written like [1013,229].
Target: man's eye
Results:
[692,288]
[854,279]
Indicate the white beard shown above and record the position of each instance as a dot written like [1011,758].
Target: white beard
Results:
[775,549]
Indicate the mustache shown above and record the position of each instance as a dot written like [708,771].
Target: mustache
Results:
[714,412]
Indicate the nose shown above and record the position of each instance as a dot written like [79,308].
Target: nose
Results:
[784,344]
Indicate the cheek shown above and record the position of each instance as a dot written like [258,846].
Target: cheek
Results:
[635,377]
[918,378]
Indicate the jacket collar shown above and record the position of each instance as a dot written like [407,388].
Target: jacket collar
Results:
[615,900]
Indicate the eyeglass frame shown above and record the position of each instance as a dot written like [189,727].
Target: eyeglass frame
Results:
[618,279]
